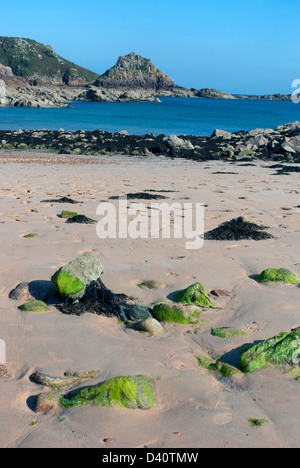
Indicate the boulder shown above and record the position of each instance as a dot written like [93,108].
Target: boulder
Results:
[174,141]
[281,349]
[71,280]
[130,392]
[278,275]
[194,294]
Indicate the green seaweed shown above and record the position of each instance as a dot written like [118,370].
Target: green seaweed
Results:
[194,294]
[227,332]
[258,422]
[224,369]
[28,236]
[125,392]
[283,348]
[173,313]
[281,275]
[68,214]
[66,285]
[34,306]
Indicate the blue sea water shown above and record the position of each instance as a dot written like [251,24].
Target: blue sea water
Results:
[179,116]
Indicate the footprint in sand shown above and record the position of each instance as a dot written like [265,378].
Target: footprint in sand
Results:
[223,418]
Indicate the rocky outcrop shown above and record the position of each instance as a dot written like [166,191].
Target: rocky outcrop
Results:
[134,71]
[46,97]
[95,94]
[207,93]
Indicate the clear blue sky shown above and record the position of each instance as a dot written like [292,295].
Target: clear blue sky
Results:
[238,46]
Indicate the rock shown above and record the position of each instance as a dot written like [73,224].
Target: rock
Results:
[194,294]
[72,279]
[21,292]
[150,325]
[174,142]
[261,131]
[151,284]
[46,402]
[219,292]
[134,71]
[280,275]
[224,369]
[131,392]
[221,134]
[212,94]
[70,378]
[283,348]
[133,312]
[175,312]
[34,306]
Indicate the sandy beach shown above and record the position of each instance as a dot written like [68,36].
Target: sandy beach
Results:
[194,407]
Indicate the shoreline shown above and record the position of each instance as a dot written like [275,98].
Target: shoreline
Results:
[281,144]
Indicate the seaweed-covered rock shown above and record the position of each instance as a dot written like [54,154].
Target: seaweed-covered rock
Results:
[280,275]
[194,294]
[34,306]
[283,348]
[224,369]
[47,401]
[175,312]
[238,229]
[126,392]
[71,280]
[229,332]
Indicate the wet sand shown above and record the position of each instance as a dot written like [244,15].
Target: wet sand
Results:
[194,407]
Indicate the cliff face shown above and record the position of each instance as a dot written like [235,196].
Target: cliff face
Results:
[36,63]
[134,71]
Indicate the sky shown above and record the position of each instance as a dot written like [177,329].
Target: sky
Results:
[237,46]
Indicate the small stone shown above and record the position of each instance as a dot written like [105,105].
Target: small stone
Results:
[21,292]
[150,325]
[219,292]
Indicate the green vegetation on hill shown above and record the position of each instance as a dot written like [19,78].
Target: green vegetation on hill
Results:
[30,59]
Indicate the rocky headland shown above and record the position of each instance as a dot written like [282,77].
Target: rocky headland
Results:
[280,144]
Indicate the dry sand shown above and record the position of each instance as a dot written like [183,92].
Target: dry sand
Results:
[194,408]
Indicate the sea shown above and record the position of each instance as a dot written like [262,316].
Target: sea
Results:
[171,116]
